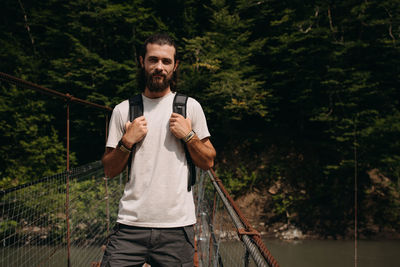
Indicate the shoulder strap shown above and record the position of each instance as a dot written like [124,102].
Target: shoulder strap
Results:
[135,107]
[179,106]
[135,110]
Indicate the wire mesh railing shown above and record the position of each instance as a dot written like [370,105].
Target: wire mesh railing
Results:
[224,237]
[33,218]
[34,229]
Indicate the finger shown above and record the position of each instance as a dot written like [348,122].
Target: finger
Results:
[141,118]
[140,122]
[175,115]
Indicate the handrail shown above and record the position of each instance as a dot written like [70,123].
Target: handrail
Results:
[259,252]
[82,169]
[68,97]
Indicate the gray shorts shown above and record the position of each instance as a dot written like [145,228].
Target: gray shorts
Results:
[133,246]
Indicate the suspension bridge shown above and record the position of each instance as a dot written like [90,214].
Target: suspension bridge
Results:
[65,219]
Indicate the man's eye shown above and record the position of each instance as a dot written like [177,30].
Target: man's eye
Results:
[167,61]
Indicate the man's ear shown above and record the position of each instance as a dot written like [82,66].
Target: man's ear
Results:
[176,65]
[141,61]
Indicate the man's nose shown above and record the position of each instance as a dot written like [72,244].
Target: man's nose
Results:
[159,65]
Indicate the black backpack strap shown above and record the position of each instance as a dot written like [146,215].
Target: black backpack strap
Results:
[179,106]
[135,110]
[135,107]
[192,169]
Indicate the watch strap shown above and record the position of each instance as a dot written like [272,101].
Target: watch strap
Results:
[122,147]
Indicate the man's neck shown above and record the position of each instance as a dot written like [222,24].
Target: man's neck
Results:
[149,94]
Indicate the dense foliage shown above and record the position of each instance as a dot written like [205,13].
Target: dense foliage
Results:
[300,96]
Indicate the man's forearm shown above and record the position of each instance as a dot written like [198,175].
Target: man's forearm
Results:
[202,152]
[114,161]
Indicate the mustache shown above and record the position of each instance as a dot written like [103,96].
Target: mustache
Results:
[158,73]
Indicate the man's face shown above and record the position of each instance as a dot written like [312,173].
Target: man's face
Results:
[159,66]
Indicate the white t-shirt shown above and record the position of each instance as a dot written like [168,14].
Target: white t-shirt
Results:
[156,194]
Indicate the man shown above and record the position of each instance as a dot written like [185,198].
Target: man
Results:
[156,212]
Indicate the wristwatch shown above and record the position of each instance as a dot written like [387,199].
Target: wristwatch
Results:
[189,136]
[122,147]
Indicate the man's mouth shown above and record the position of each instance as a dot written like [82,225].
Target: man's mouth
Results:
[158,76]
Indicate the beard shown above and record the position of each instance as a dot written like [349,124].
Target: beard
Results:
[157,84]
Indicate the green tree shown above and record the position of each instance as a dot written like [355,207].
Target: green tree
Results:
[31,148]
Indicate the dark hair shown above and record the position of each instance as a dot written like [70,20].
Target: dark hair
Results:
[160,39]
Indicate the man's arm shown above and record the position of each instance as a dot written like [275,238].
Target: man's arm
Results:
[114,159]
[201,151]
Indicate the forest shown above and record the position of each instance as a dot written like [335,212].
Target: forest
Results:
[301,97]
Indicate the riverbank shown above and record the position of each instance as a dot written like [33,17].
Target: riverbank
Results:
[257,208]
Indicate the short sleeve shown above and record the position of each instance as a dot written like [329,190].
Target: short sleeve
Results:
[117,124]
[196,115]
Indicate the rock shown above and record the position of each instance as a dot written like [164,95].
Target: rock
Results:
[377,178]
[373,228]
[283,227]
[292,233]
[274,188]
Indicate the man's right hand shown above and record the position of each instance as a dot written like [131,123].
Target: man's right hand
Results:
[135,131]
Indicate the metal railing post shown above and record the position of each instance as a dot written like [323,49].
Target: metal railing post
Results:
[107,205]
[355,197]
[246,258]
[67,196]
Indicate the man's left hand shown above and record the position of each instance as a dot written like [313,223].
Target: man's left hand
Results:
[179,126]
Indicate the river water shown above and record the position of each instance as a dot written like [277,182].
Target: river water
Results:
[305,253]
[329,253]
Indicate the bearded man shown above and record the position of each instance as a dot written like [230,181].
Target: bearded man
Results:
[156,212]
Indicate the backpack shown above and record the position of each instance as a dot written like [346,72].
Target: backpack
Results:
[178,106]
